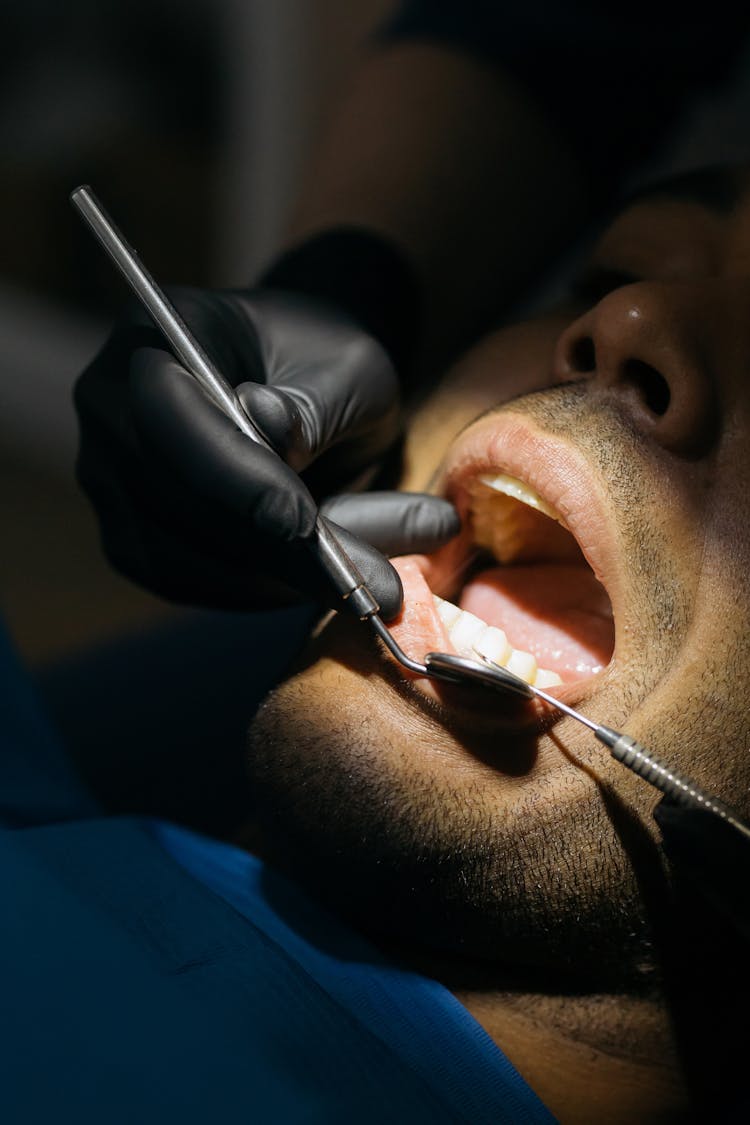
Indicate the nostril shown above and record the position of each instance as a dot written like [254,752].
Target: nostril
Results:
[653,387]
[582,356]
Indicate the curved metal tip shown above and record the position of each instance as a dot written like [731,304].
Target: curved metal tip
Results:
[462,670]
[452,668]
[382,630]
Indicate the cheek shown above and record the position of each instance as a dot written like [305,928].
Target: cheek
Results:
[505,365]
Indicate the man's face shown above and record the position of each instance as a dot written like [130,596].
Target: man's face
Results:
[496,830]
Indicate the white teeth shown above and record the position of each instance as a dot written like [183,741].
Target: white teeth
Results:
[471,637]
[511,486]
[447,612]
[523,665]
[505,516]
[466,633]
[545,679]
[493,645]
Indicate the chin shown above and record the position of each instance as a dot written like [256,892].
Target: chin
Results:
[444,843]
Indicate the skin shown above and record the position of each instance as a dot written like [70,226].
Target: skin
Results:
[522,867]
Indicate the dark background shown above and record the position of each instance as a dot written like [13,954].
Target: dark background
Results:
[191,119]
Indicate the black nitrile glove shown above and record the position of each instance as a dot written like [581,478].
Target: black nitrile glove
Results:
[194,510]
[713,855]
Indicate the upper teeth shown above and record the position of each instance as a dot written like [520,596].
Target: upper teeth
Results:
[511,486]
[501,515]
[471,637]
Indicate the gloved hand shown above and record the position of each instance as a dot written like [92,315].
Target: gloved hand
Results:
[191,508]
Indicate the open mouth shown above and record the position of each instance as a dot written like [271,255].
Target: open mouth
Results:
[517,586]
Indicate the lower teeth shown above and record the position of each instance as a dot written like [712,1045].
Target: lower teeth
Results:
[470,636]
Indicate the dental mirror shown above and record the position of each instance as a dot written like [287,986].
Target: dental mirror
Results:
[461,670]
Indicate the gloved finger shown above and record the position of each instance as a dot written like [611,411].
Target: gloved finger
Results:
[302,426]
[380,578]
[278,418]
[203,449]
[295,435]
[341,380]
[395,523]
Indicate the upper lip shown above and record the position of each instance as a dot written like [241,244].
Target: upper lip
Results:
[511,443]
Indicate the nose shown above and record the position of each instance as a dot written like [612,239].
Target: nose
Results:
[649,346]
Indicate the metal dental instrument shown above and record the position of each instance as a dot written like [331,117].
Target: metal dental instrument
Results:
[624,749]
[342,572]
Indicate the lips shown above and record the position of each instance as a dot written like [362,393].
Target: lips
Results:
[554,596]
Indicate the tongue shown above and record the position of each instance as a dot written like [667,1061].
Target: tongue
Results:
[558,612]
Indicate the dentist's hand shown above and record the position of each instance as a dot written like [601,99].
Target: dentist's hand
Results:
[194,510]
